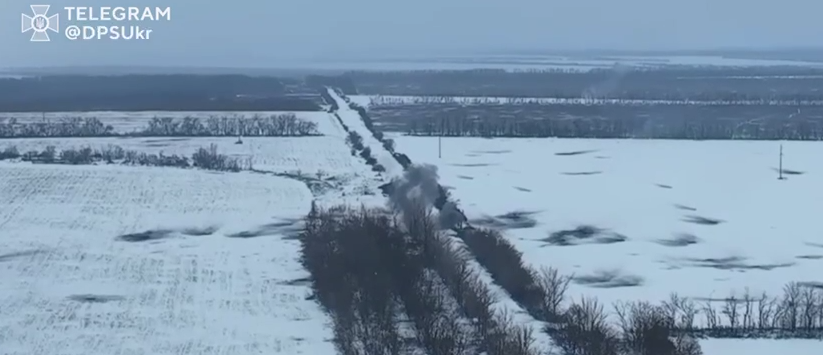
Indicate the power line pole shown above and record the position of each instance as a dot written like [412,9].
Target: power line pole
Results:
[440,141]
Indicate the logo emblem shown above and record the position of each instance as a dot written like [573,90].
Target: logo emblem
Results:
[40,23]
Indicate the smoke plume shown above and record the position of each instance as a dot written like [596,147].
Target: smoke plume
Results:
[419,184]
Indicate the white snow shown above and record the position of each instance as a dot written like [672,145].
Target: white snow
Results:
[212,294]
[766,221]
[761,347]
[184,294]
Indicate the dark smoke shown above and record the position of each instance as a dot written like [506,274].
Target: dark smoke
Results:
[419,184]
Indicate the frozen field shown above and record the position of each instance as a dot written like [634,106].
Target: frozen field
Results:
[126,121]
[212,278]
[72,281]
[701,219]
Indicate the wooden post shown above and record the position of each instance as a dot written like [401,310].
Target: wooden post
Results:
[780,168]
[440,140]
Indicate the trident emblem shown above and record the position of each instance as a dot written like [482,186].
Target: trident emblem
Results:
[39,23]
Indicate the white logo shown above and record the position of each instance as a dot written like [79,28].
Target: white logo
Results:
[39,23]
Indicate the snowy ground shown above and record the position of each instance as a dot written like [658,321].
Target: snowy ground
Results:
[761,347]
[212,280]
[69,285]
[645,191]
[131,121]
[654,193]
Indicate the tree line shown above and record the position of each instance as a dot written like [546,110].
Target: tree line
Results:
[282,125]
[153,92]
[376,102]
[204,158]
[394,284]
[604,121]
[721,84]
[636,127]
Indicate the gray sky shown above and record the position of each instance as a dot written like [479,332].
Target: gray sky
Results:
[258,33]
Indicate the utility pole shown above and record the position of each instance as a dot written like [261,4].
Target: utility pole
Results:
[780,168]
[440,141]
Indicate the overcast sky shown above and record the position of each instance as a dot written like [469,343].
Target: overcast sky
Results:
[258,33]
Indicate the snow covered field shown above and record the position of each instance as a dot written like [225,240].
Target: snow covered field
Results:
[126,121]
[71,283]
[77,277]
[701,219]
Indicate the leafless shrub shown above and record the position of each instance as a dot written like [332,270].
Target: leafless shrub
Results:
[491,333]
[505,337]
[355,140]
[389,144]
[795,314]
[585,331]
[340,248]
[682,311]
[554,286]
[212,160]
[112,154]
[77,156]
[63,127]
[9,152]
[387,261]
[685,344]
[645,328]
[505,264]
[282,125]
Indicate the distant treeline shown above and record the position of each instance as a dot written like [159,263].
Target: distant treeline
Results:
[285,125]
[623,127]
[677,83]
[153,93]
